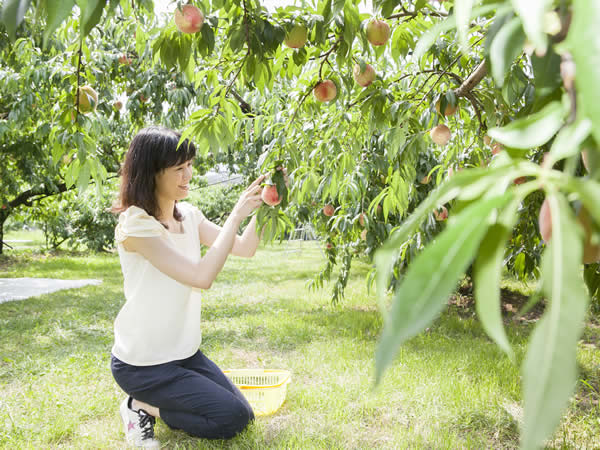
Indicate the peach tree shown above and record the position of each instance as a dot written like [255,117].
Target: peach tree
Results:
[425,134]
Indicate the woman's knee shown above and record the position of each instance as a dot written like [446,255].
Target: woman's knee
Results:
[225,427]
[239,420]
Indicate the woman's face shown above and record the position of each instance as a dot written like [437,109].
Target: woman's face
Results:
[173,183]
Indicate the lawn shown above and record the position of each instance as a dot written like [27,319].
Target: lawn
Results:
[450,386]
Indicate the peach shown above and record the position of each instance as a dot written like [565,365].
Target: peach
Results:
[328,210]
[297,37]
[325,91]
[365,77]
[189,19]
[378,32]
[440,134]
[88,99]
[270,196]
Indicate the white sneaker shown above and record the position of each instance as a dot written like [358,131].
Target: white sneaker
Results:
[139,426]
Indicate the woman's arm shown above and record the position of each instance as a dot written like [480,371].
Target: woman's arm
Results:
[166,258]
[244,245]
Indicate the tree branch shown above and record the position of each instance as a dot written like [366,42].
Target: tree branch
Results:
[478,74]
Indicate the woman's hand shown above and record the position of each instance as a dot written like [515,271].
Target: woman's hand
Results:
[250,199]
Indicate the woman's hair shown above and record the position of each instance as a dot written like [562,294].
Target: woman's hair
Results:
[152,150]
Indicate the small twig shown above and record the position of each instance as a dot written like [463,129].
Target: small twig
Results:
[79,55]
[325,56]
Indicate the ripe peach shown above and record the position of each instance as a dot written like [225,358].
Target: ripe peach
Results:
[378,32]
[440,134]
[450,110]
[364,78]
[328,210]
[440,214]
[545,221]
[325,91]
[270,196]
[297,37]
[425,180]
[520,180]
[124,59]
[189,19]
[361,219]
[118,105]
[497,148]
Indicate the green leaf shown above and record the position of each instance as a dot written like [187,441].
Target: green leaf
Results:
[584,42]
[550,366]
[568,140]
[470,183]
[463,16]
[546,72]
[487,276]
[56,12]
[13,12]
[506,46]
[531,131]
[91,13]
[532,14]
[430,36]
[432,276]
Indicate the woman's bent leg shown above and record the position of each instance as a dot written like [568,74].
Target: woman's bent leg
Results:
[187,400]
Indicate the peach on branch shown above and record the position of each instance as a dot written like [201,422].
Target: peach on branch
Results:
[297,37]
[124,59]
[365,77]
[325,91]
[378,32]
[440,214]
[189,19]
[449,110]
[270,195]
[328,210]
[363,234]
[440,134]
[487,140]
[520,180]
[497,148]
[88,99]
[425,180]
[118,105]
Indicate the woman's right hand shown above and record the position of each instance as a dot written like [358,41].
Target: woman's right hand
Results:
[250,199]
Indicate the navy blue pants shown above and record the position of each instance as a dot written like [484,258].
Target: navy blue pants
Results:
[192,395]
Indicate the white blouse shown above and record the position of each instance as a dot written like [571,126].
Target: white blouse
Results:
[160,320]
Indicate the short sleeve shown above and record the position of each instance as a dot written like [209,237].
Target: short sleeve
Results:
[188,208]
[135,222]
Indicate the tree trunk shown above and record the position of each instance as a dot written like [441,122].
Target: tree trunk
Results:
[3,217]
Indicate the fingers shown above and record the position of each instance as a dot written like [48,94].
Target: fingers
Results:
[257,181]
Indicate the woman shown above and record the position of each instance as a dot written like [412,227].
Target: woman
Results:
[155,357]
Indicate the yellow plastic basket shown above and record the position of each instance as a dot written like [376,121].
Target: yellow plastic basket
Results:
[264,389]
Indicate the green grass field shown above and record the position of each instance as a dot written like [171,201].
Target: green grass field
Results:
[450,386]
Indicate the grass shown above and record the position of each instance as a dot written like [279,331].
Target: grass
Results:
[450,386]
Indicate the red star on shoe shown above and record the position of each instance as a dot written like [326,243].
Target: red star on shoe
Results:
[130,426]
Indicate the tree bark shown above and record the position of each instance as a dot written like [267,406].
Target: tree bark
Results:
[478,74]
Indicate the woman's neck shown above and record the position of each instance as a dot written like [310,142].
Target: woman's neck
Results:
[166,207]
